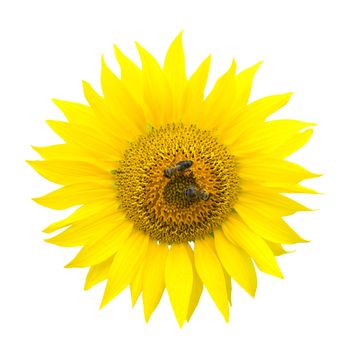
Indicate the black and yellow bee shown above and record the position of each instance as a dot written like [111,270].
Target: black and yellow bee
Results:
[179,167]
[194,192]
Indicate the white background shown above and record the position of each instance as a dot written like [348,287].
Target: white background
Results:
[48,47]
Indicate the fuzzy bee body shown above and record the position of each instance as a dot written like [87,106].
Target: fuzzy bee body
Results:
[179,167]
[183,165]
[194,192]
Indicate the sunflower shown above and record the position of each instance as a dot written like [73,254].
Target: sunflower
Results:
[175,189]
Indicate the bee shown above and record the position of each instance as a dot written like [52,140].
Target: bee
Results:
[179,167]
[194,192]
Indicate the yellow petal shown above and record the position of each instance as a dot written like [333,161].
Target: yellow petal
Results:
[104,244]
[276,248]
[268,137]
[131,75]
[194,92]
[236,262]
[260,109]
[153,277]
[211,243]
[75,113]
[228,286]
[293,144]
[136,285]
[98,273]
[197,289]
[125,265]
[84,212]
[255,113]
[219,101]
[239,233]
[62,151]
[86,138]
[212,275]
[157,93]
[75,194]
[179,280]
[274,187]
[64,172]
[267,170]
[73,152]
[175,71]
[126,110]
[197,286]
[244,85]
[285,187]
[237,99]
[174,65]
[110,124]
[267,226]
[269,201]
[81,232]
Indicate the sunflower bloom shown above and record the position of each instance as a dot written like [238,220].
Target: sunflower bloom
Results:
[175,189]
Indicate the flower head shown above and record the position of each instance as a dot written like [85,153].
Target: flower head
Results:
[175,189]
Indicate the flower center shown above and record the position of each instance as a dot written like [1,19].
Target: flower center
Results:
[177,183]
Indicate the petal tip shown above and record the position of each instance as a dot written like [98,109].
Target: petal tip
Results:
[133,301]
[86,85]
[280,275]
[48,240]
[37,200]
[103,304]
[103,61]
[70,264]
[36,149]
[146,315]
[105,300]
[252,291]
[138,46]
[56,101]
[226,315]
[180,323]
[179,35]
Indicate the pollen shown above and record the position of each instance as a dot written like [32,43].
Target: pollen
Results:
[177,183]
